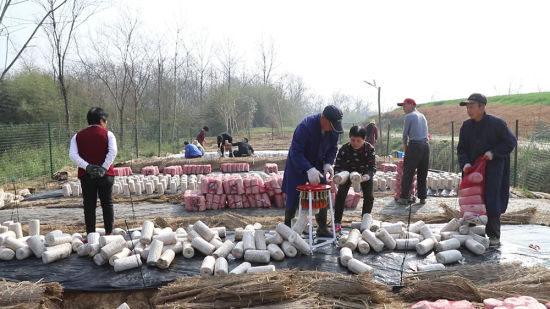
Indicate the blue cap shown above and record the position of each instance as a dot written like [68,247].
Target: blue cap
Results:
[334,115]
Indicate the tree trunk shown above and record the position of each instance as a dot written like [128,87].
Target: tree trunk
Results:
[63,91]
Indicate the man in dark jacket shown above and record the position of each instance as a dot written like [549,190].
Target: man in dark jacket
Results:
[94,150]
[355,156]
[244,148]
[312,150]
[488,136]
[223,139]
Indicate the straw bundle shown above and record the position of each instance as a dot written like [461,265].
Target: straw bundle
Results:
[473,282]
[448,287]
[28,294]
[288,288]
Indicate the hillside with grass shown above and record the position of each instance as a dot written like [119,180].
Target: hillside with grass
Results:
[532,110]
[539,98]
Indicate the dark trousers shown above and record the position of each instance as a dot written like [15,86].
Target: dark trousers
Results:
[417,158]
[368,199]
[492,228]
[238,154]
[91,189]
[321,217]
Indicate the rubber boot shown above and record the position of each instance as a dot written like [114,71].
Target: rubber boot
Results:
[321,218]
[289,215]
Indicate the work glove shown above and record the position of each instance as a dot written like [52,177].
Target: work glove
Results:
[95,171]
[488,156]
[355,181]
[365,177]
[314,176]
[467,168]
[327,168]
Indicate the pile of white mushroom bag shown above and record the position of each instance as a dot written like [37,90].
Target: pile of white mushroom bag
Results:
[374,235]
[443,184]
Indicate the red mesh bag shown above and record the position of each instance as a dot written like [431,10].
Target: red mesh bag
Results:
[472,192]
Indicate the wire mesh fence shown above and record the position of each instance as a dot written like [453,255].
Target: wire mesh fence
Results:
[38,150]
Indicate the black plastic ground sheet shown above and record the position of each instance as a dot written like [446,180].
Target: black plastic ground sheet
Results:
[529,244]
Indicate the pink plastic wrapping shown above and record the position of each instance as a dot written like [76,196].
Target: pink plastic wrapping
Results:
[150,170]
[196,169]
[271,168]
[194,200]
[233,185]
[172,170]
[235,167]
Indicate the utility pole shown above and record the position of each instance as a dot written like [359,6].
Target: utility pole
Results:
[373,84]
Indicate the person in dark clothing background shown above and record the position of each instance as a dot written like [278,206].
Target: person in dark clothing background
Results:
[244,148]
[201,136]
[222,139]
[357,155]
[417,152]
[487,136]
[372,133]
[94,150]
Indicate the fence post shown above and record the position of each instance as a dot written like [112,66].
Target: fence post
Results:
[388,141]
[160,136]
[177,139]
[516,155]
[136,140]
[51,155]
[452,147]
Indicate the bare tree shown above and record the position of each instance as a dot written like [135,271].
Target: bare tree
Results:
[204,56]
[267,60]
[138,67]
[111,66]
[60,29]
[5,31]
[229,61]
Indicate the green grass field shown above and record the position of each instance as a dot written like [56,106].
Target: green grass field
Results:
[540,98]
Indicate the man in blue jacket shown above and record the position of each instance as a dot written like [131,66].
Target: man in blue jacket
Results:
[191,151]
[313,149]
[487,136]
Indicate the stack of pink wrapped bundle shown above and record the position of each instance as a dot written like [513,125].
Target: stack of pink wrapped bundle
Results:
[215,201]
[150,170]
[212,187]
[254,189]
[235,167]
[352,199]
[522,302]
[471,203]
[270,168]
[397,186]
[443,304]
[388,167]
[194,200]
[173,170]
[197,169]
[233,187]
[273,189]
[123,171]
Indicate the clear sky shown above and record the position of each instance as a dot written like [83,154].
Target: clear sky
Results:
[426,50]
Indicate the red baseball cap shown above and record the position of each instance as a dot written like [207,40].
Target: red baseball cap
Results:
[407,100]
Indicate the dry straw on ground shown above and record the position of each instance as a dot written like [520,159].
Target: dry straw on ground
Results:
[291,288]
[30,295]
[478,282]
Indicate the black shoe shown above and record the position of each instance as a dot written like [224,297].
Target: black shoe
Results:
[422,201]
[324,232]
